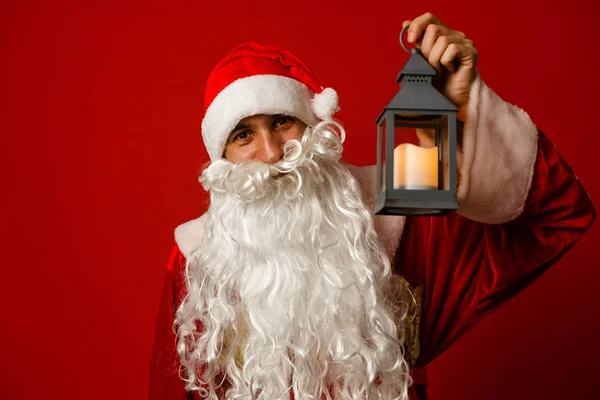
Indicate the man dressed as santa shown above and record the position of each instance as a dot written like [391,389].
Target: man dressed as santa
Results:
[288,287]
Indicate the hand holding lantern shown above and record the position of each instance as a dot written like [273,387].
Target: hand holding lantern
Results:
[451,53]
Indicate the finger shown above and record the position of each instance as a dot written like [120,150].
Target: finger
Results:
[439,49]
[433,33]
[430,38]
[459,34]
[419,24]
[458,55]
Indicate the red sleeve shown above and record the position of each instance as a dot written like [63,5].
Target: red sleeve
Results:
[164,382]
[468,268]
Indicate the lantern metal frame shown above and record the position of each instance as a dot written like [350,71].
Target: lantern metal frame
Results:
[417,96]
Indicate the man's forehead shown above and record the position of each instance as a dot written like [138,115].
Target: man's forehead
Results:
[256,119]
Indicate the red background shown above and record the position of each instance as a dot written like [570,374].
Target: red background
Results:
[100,118]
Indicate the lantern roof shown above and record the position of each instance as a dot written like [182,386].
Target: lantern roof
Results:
[416,65]
[416,90]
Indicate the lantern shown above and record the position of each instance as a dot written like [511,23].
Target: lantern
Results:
[416,145]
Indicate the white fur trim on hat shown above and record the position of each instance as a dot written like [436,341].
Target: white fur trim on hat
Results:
[258,94]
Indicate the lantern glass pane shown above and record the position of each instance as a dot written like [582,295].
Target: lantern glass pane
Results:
[420,148]
[442,134]
[382,131]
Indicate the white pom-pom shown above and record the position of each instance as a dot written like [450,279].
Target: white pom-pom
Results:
[325,104]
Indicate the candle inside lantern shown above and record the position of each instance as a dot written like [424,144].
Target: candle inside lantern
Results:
[415,167]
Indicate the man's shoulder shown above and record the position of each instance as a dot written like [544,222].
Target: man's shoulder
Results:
[365,176]
[189,235]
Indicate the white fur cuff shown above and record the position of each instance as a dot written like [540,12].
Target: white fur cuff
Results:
[498,157]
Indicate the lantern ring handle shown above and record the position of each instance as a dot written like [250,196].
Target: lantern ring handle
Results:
[402,41]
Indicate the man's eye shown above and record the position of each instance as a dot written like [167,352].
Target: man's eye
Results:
[282,120]
[242,136]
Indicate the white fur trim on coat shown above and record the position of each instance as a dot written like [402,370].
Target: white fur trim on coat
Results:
[497,159]
[389,228]
[258,94]
[188,236]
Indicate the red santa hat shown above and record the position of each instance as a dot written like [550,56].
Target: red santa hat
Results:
[260,79]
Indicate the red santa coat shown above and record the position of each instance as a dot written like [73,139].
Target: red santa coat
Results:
[521,209]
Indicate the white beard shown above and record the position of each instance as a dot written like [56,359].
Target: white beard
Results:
[287,292]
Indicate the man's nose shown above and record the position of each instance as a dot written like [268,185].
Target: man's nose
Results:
[272,148]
